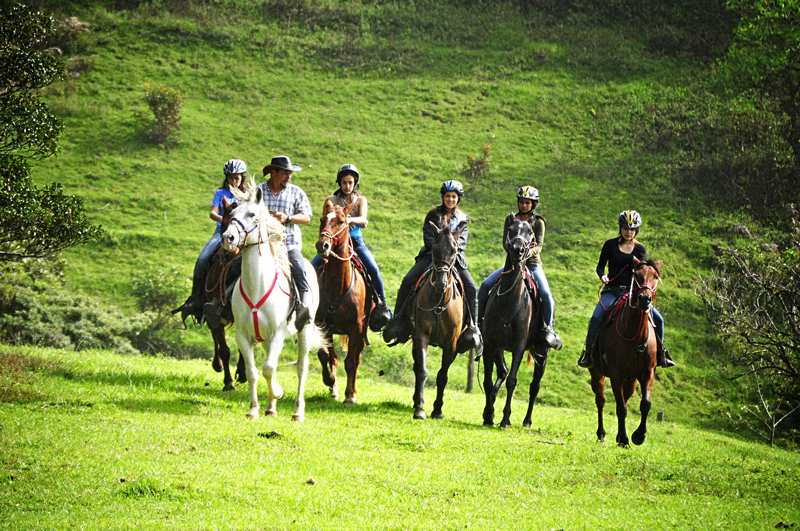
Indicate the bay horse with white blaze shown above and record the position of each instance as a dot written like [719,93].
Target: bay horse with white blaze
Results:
[510,323]
[344,302]
[627,352]
[262,301]
[438,316]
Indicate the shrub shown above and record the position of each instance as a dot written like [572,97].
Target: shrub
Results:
[477,168]
[158,290]
[165,103]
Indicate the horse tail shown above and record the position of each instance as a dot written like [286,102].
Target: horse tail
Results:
[312,337]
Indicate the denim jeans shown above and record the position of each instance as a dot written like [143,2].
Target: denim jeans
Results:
[202,264]
[367,259]
[607,298]
[296,263]
[537,272]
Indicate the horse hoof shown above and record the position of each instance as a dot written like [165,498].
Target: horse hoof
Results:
[271,413]
[488,423]
[437,415]
[419,414]
[334,393]
[526,424]
[637,438]
[505,423]
[216,364]
[349,401]
[228,387]
[252,414]
[297,417]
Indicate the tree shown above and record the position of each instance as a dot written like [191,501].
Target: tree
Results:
[753,298]
[34,221]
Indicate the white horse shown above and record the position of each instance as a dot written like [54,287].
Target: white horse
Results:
[261,300]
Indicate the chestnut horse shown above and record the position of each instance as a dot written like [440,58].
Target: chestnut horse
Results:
[344,302]
[627,352]
[438,316]
[510,323]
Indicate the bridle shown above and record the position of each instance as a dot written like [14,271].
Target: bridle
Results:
[437,269]
[639,288]
[335,240]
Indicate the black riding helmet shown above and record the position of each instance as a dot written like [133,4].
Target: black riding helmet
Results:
[348,169]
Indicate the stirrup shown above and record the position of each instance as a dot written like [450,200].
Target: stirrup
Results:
[551,338]
[663,358]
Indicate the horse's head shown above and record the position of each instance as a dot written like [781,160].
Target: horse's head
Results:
[644,282]
[333,229]
[444,251]
[518,240]
[243,222]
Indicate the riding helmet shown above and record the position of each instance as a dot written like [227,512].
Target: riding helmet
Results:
[348,169]
[452,186]
[234,166]
[630,219]
[527,192]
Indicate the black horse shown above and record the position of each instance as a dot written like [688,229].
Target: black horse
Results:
[510,323]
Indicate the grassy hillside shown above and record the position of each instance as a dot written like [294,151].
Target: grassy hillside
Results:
[104,440]
[405,90]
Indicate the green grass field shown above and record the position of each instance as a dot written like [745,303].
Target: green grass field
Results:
[406,91]
[103,440]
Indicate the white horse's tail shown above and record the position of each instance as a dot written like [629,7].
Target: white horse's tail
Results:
[311,338]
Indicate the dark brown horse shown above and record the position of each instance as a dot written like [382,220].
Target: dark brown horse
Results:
[344,305]
[438,317]
[510,323]
[627,352]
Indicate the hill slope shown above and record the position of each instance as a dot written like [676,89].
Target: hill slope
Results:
[406,91]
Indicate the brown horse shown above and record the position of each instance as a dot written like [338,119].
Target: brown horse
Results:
[344,303]
[627,352]
[438,317]
[510,323]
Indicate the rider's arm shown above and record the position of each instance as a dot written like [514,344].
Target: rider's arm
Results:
[428,232]
[361,218]
[538,235]
[602,261]
[302,211]
[215,215]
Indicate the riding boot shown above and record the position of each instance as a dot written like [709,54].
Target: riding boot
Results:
[301,314]
[551,337]
[398,329]
[585,360]
[663,359]
[380,316]
[471,337]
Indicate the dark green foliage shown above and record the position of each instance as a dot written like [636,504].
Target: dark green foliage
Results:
[731,151]
[165,103]
[159,290]
[754,301]
[765,57]
[34,222]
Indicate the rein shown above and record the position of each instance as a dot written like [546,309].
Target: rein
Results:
[444,301]
[643,330]
[333,237]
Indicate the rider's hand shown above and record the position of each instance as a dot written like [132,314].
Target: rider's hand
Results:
[280,216]
[604,279]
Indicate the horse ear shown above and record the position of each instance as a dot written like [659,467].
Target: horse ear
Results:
[259,194]
[327,206]
[435,226]
[461,226]
[226,205]
[349,208]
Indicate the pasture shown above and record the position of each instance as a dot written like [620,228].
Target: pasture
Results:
[407,91]
[103,440]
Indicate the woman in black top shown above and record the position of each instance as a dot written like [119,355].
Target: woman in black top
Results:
[618,254]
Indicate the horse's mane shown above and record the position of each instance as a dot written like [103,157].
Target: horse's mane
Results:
[271,230]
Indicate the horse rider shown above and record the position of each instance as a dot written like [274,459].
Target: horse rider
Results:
[348,179]
[235,171]
[618,253]
[450,216]
[289,204]
[527,201]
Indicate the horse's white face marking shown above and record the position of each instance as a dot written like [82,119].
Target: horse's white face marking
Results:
[331,215]
[243,225]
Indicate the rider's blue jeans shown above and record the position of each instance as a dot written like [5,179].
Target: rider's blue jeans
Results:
[546,296]
[203,261]
[607,298]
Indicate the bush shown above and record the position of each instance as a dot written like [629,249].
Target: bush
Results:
[477,168]
[165,103]
[158,290]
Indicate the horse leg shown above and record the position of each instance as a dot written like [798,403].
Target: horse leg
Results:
[271,370]
[355,345]
[511,384]
[302,372]
[488,385]
[222,356]
[448,355]
[622,411]
[329,361]
[420,376]
[246,348]
[538,372]
[598,386]
[241,372]
[646,384]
